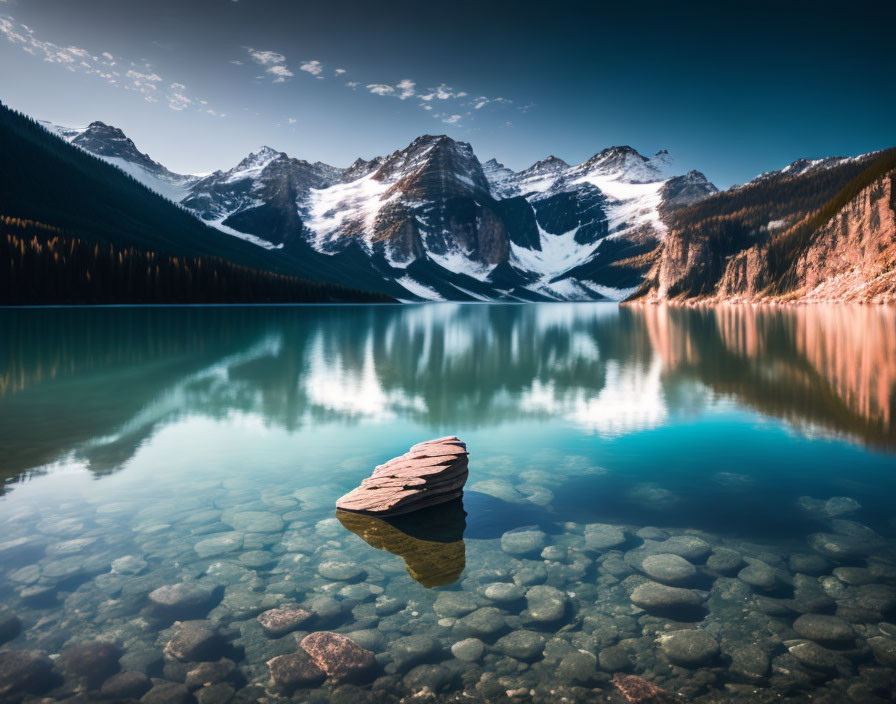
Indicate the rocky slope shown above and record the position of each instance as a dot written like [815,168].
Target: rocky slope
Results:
[431,222]
[829,236]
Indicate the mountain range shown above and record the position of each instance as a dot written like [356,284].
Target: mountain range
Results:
[433,222]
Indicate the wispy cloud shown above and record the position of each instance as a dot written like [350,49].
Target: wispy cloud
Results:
[482,101]
[451,119]
[315,68]
[339,71]
[273,62]
[119,72]
[443,92]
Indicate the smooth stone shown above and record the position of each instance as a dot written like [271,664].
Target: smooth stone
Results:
[689,648]
[369,638]
[690,547]
[652,533]
[555,553]
[839,547]
[578,667]
[219,544]
[24,671]
[529,575]
[840,506]
[70,547]
[486,623]
[724,560]
[412,650]
[255,522]
[522,645]
[424,679]
[813,655]
[10,626]
[504,592]
[546,604]
[668,568]
[220,693]
[453,604]
[294,670]
[602,536]
[884,650]
[324,607]
[195,641]
[880,598]
[257,559]
[126,685]
[856,576]
[183,597]
[809,564]
[207,673]
[652,595]
[128,565]
[758,574]
[523,542]
[468,649]
[338,656]
[750,663]
[167,693]
[279,622]
[824,629]
[340,571]
[614,659]
[92,660]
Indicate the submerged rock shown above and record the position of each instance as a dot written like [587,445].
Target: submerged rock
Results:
[279,622]
[668,568]
[546,604]
[824,629]
[602,536]
[637,690]
[689,648]
[126,685]
[522,645]
[294,671]
[430,473]
[93,660]
[654,596]
[183,599]
[468,650]
[24,671]
[338,656]
[194,641]
[523,542]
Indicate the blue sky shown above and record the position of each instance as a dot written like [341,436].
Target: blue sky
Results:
[730,91]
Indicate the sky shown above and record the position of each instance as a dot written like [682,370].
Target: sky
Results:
[198,84]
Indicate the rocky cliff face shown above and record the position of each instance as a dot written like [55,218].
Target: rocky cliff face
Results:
[848,255]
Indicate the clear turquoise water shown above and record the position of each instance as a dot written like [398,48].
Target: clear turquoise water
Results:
[145,430]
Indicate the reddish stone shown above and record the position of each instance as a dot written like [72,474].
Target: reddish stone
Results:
[637,690]
[338,656]
[429,473]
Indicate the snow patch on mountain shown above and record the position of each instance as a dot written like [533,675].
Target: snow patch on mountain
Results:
[329,210]
[419,290]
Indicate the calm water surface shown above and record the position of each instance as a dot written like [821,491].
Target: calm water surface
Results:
[141,448]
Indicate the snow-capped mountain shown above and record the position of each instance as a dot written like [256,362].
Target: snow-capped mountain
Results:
[431,222]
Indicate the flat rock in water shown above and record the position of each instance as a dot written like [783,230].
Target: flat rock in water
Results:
[654,596]
[689,648]
[668,568]
[294,670]
[338,656]
[430,473]
[279,622]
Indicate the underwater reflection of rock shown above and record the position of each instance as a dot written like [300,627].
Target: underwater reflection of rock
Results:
[430,542]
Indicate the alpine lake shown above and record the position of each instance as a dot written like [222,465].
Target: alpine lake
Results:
[701,498]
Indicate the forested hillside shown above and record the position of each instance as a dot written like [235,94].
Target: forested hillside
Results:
[78,230]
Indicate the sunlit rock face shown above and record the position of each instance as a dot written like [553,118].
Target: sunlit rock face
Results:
[430,543]
[430,473]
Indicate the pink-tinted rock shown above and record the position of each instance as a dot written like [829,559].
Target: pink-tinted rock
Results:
[278,622]
[637,690]
[429,473]
[338,656]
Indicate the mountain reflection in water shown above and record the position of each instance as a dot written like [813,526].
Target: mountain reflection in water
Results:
[96,384]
